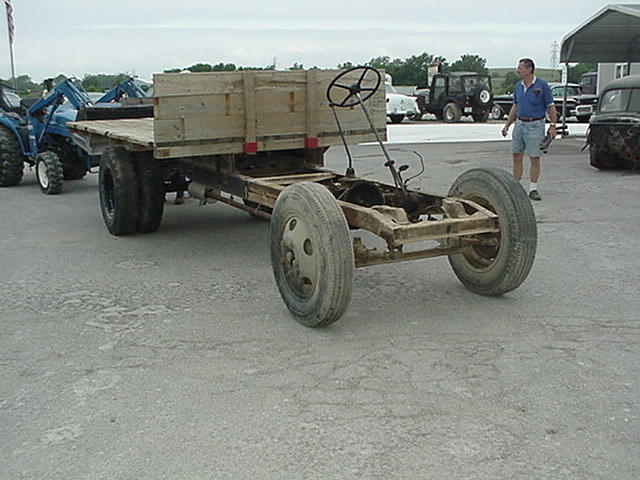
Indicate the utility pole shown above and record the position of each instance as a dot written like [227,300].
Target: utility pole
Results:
[554,55]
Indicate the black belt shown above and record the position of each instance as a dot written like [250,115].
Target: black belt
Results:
[530,119]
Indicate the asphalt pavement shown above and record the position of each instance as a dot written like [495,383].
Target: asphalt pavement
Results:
[172,356]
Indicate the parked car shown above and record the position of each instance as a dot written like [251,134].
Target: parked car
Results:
[579,105]
[614,130]
[400,106]
[456,94]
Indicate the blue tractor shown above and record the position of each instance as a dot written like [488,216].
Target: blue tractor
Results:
[33,130]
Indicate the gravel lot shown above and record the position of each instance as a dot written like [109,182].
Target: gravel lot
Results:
[172,356]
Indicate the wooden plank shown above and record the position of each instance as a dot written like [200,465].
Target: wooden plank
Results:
[249,108]
[137,131]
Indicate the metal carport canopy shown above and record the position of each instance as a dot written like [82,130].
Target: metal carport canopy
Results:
[611,36]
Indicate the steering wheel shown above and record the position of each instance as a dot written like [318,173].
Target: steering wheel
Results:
[352,99]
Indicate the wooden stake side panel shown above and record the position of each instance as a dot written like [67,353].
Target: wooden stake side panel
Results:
[218,113]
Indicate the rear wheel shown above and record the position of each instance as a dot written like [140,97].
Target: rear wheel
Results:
[500,262]
[396,118]
[49,172]
[118,191]
[11,161]
[451,113]
[311,254]
[150,193]
[480,117]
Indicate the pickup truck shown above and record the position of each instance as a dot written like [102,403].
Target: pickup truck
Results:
[579,105]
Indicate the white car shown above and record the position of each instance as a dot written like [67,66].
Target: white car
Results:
[399,105]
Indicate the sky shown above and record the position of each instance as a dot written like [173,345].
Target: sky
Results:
[78,37]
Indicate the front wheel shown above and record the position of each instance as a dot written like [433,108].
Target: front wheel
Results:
[396,118]
[451,113]
[496,112]
[496,263]
[49,172]
[311,254]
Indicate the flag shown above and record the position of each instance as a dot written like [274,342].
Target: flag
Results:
[10,25]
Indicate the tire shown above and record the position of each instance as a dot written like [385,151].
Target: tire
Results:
[482,96]
[604,161]
[118,191]
[150,193]
[11,160]
[49,172]
[494,270]
[308,225]
[451,113]
[496,112]
[396,118]
[583,118]
[481,117]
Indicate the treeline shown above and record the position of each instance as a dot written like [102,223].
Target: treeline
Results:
[408,71]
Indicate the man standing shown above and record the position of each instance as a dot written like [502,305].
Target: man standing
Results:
[532,99]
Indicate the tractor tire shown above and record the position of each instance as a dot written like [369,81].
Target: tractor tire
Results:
[11,161]
[311,254]
[76,172]
[396,118]
[497,269]
[49,172]
[118,191]
[151,193]
[451,113]
[480,117]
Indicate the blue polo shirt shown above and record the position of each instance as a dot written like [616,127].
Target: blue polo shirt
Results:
[532,102]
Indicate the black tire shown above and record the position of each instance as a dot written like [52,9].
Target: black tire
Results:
[583,118]
[396,118]
[494,270]
[11,160]
[49,172]
[605,161]
[451,113]
[150,193]
[496,112]
[118,191]
[480,117]
[311,254]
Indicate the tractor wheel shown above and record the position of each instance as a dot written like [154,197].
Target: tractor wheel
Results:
[150,193]
[49,172]
[118,191]
[11,161]
[396,118]
[501,266]
[311,254]
[451,113]
[480,117]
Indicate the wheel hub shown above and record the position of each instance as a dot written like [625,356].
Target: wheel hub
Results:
[299,258]
[43,177]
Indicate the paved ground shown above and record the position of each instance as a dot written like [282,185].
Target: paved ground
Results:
[172,356]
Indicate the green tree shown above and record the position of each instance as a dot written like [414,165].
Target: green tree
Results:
[509,82]
[345,65]
[470,63]
[576,71]
[296,66]
[200,67]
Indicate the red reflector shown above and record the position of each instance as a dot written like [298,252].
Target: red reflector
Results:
[251,147]
[311,142]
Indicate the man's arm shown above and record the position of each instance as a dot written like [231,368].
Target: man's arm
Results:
[553,116]
[510,119]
